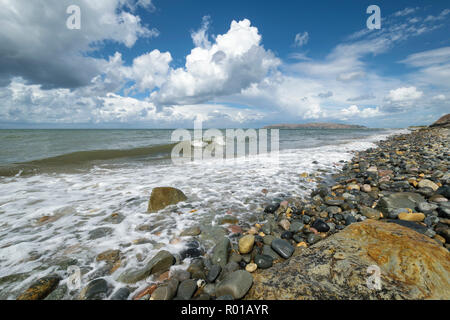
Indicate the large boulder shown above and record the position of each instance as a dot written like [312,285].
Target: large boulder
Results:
[412,266]
[162,197]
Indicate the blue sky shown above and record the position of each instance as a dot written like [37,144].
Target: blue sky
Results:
[163,64]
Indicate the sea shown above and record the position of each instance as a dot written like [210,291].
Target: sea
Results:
[68,195]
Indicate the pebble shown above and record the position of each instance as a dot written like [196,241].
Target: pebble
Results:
[313,238]
[220,252]
[213,273]
[121,294]
[415,216]
[296,226]
[165,292]
[320,226]
[235,284]
[283,248]
[246,244]
[268,239]
[285,224]
[251,267]
[264,261]
[186,289]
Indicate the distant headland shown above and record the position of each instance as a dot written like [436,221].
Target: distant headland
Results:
[315,125]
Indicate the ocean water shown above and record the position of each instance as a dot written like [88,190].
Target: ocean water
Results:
[58,187]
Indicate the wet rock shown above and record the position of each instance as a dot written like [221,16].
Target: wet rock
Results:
[186,289]
[191,232]
[162,197]
[58,293]
[161,262]
[399,200]
[425,183]
[271,208]
[180,275]
[426,207]
[268,239]
[349,219]
[287,235]
[313,238]
[235,284]
[431,220]
[296,226]
[320,226]
[165,292]
[220,252]
[263,261]
[412,266]
[283,248]
[41,288]
[97,289]
[100,233]
[109,256]
[444,191]
[213,273]
[267,250]
[121,294]
[370,213]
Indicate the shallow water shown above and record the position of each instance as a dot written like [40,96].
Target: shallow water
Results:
[113,194]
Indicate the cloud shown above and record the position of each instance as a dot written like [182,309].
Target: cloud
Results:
[37,46]
[405,12]
[351,76]
[353,111]
[325,94]
[232,63]
[404,94]
[428,58]
[301,39]
[200,37]
[439,17]
[440,97]
[368,96]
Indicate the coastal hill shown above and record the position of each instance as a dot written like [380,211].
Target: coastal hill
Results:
[315,125]
[443,122]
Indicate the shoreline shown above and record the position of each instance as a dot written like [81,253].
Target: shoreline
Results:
[236,269]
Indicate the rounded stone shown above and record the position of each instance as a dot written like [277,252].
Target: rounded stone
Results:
[263,261]
[246,243]
[320,226]
[283,248]
[251,267]
[213,273]
[235,284]
[415,216]
[186,289]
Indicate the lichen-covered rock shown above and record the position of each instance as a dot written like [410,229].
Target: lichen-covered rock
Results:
[41,288]
[162,197]
[412,266]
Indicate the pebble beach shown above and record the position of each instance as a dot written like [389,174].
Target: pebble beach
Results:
[389,207]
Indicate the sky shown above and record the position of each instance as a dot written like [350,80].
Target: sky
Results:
[247,63]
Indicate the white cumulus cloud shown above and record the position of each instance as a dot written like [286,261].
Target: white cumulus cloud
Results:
[405,94]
